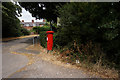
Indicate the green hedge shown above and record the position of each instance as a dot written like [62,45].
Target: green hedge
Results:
[25,31]
[40,29]
[43,37]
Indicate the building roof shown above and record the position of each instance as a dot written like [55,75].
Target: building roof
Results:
[32,23]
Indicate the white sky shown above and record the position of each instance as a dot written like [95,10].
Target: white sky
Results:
[27,17]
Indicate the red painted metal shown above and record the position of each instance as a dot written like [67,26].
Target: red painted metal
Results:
[49,40]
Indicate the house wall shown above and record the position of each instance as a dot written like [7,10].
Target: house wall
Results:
[30,26]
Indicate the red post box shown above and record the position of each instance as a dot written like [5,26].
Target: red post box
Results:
[49,40]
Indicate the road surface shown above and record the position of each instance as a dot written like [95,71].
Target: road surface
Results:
[12,62]
[40,69]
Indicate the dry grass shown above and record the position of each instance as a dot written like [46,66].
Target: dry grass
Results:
[48,56]
[101,71]
[106,72]
[94,69]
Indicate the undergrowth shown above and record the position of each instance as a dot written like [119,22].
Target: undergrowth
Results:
[90,56]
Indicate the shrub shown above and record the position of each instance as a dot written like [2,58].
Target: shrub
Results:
[43,37]
[25,31]
[39,29]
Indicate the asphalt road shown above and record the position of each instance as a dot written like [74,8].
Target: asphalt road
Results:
[40,69]
[11,62]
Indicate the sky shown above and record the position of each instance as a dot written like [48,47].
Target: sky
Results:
[27,17]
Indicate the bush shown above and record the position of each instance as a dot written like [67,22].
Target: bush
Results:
[25,31]
[39,29]
[85,22]
[10,23]
[43,37]
[45,28]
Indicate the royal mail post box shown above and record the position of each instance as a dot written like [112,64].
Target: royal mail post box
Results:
[49,40]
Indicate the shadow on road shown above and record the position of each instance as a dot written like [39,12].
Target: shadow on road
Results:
[10,40]
[31,41]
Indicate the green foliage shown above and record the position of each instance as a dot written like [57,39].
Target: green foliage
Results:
[10,22]
[39,29]
[42,31]
[43,35]
[95,22]
[25,31]
[111,29]
[43,41]
[36,9]
[45,28]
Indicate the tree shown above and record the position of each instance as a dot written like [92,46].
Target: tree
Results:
[96,22]
[39,10]
[10,22]
[87,18]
